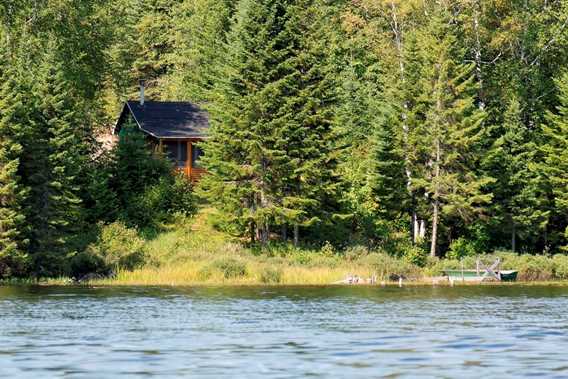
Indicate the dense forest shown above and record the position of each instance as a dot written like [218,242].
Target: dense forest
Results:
[432,126]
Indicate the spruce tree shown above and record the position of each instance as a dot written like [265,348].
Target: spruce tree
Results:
[513,160]
[268,156]
[307,184]
[53,207]
[555,149]
[133,166]
[452,131]
[12,219]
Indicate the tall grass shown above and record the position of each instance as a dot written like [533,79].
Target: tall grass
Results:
[191,252]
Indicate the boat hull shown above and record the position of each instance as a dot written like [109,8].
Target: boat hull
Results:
[472,275]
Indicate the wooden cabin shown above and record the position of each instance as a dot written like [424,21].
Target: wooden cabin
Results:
[172,127]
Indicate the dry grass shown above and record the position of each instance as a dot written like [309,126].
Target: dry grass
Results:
[191,252]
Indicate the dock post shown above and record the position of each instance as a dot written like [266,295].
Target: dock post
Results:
[477,266]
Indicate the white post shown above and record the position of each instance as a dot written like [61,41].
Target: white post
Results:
[142,87]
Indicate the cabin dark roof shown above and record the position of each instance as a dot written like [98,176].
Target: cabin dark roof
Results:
[167,119]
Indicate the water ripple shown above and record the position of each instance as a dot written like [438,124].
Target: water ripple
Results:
[288,332]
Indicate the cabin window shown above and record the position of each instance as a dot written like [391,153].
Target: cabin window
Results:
[196,153]
[176,151]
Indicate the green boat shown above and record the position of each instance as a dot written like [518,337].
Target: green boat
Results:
[480,275]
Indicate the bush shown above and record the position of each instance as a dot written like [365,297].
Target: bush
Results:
[181,197]
[355,252]
[85,263]
[302,258]
[560,266]
[119,247]
[461,248]
[230,267]
[149,207]
[171,195]
[416,255]
[327,250]
[271,275]
[15,265]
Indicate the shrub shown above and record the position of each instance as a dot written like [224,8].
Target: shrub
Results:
[560,266]
[149,207]
[119,247]
[461,248]
[327,249]
[301,257]
[355,252]
[15,265]
[416,255]
[271,275]
[530,267]
[171,195]
[181,197]
[85,263]
[230,267]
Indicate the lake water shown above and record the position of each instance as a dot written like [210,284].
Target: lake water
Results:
[288,332]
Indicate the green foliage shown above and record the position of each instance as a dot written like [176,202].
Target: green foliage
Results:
[461,248]
[230,267]
[416,255]
[118,247]
[560,262]
[12,254]
[86,262]
[385,266]
[555,165]
[159,202]
[268,155]
[135,166]
[385,124]
[181,197]
[101,200]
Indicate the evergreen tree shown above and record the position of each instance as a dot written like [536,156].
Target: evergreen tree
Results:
[50,168]
[513,158]
[12,220]
[268,155]
[556,153]
[452,131]
[198,37]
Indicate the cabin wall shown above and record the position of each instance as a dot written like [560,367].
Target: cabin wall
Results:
[184,149]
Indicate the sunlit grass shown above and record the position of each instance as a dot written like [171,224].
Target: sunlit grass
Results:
[191,252]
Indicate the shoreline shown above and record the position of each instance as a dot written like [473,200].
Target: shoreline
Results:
[427,282]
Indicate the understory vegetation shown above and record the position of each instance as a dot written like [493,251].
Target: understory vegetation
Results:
[394,137]
[192,252]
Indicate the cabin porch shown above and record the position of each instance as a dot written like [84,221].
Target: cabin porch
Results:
[185,154]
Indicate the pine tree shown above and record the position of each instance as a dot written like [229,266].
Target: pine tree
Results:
[12,219]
